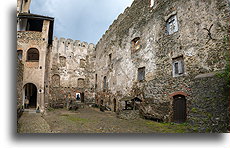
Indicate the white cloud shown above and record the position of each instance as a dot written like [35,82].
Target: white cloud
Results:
[84,20]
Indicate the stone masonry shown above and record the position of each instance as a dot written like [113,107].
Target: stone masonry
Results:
[165,53]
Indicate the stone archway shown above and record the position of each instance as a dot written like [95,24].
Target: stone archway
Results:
[30,96]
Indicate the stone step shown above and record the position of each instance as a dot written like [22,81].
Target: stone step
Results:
[32,111]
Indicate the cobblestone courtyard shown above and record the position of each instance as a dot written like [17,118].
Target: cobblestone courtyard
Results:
[91,120]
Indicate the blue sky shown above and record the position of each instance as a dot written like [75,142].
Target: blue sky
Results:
[85,20]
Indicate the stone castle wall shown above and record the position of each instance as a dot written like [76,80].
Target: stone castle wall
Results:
[71,70]
[201,53]
[19,87]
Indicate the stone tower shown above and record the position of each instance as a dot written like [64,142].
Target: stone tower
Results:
[34,39]
[23,6]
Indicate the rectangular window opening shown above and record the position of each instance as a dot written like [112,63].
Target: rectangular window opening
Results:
[34,25]
[178,66]
[141,74]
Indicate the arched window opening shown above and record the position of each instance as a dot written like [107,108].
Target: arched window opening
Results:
[81,83]
[33,55]
[62,60]
[136,44]
[55,80]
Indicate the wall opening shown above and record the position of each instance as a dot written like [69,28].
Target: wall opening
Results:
[172,25]
[179,109]
[135,44]
[56,80]
[30,96]
[82,97]
[114,105]
[96,81]
[81,83]
[19,54]
[141,74]
[62,60]
[178,66]
[33,55]
[104,83]
[110,58]
[34,25]
[136,103]
[82,63]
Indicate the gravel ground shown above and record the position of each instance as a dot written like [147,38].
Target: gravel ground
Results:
[91,120]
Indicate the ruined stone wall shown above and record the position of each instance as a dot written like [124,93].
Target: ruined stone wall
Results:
[19,87]
[71,70]
[209,111]
[202,52]
[23,6]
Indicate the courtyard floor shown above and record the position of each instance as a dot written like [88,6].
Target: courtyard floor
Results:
[91,120]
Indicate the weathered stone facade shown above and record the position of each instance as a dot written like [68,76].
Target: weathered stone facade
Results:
[160,53]
[71,71]
[19,87]
[198,42]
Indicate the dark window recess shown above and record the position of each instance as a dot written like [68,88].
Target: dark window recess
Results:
[141,74]
[33,55]
[178,66]
[110,58]
[19,54]
[96,81]
[104,83]
[34,25]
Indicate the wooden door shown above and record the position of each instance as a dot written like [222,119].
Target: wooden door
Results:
[179,109]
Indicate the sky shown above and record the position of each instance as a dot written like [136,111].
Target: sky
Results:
[84,20]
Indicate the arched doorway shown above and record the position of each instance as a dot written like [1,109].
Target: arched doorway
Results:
[30,96]
[114,105]
[179,109]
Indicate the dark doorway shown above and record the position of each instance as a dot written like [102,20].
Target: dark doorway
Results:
[30,95]
[179,109]
[115,105]
[82,97]
[101,102]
